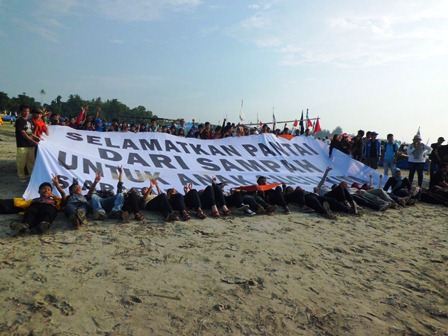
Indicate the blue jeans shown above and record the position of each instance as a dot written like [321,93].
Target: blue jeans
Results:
[74,202]
[388,164]
[108,204]
[70,208]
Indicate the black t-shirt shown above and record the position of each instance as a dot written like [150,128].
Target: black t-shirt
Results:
[432,156]
[27,126]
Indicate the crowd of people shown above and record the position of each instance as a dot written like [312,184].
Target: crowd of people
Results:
[262,198]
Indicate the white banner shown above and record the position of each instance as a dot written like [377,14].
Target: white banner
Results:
[176,161]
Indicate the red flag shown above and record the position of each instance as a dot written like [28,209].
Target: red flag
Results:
[317,128]
[296,122]
[261,124]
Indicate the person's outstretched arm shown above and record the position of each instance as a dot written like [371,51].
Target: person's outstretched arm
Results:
[324,178]
[93,186]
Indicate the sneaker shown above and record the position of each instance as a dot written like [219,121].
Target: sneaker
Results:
[43,227]
[99,215]
[124,216]
[249,212]
[271,209]
[412,201]
[394,205]
[76,223]
[328,213]
[384,207]
[306,209]
[19,227]
[243,207]
[286,210]
[82,216]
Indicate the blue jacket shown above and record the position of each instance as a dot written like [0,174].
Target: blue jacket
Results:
[367,147]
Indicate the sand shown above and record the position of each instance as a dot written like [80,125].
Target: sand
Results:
[385,273]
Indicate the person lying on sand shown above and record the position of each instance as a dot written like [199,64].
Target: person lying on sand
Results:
[41,212]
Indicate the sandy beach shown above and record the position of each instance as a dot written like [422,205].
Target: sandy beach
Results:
[385,273]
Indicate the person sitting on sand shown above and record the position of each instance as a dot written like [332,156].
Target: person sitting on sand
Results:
[400,187]
[438,187]
[41,211]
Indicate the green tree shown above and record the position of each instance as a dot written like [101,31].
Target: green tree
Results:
[113,109]
[56,105]
[72,107]
[22,99]
[4,102]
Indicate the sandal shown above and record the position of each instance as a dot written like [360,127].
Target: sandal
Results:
[201,214]
[215,214]
[226,212]
[139,217]
[185,215]
[172,217]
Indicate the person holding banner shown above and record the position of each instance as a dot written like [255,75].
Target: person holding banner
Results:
[26,145]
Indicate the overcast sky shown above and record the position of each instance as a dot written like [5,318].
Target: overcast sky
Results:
[375,65]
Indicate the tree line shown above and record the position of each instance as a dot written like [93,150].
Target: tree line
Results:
[110,109]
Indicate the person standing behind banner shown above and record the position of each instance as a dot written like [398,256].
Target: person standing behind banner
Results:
[435,158]
[390,155]
[40,126]
[372,151]
[357,145]
[26,145]
[334,144]
[417,156]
